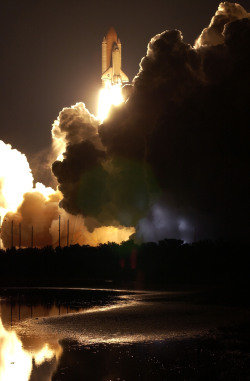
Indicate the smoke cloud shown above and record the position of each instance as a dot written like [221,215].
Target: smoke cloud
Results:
[214,34]
[171,162]
[33,217]
[174,158]
[15,177]
[30,216]
[74,125]
[36,223]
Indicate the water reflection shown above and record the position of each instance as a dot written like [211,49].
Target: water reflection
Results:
[16,362]
[27,355]
[21,304]
[118,336]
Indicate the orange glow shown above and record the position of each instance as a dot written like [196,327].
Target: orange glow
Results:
[78,232]
[37,208]
[108,96]
[15,361]
[46,353]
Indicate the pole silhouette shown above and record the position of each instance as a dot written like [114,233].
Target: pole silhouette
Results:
[59,231]
[20,237]
[12,226]
[32,235]
[68,233]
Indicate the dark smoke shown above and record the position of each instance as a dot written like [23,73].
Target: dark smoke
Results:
[174,159]
[214,34]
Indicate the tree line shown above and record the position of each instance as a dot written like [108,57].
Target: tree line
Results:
[143,265]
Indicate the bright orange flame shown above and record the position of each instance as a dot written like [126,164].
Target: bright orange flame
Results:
[108,96]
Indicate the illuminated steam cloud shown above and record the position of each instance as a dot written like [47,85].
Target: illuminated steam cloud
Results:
[73,125]
[34,212]
[15,178]
[79,234]
[23,204]
[175,161]
[38,218]
[38,209]
[86,176]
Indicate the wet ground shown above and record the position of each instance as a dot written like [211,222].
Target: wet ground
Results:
[118,335]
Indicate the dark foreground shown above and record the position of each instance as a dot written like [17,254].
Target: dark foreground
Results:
[69,334]
[145,266]
[221,356]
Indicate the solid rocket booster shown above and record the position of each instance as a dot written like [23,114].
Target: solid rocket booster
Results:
[111,60]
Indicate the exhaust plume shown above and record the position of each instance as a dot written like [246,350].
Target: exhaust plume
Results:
[179,142]
[171,161]
[74,125]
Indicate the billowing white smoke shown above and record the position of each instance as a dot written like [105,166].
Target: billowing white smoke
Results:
[171,151]
[21,205]
[73,125]
[30,215]
[15,178]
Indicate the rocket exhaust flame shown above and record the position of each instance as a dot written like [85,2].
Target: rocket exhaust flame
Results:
[108,96]
[25,209]
[140,167]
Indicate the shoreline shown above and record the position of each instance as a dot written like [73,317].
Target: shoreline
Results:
[141,316]
[144,335]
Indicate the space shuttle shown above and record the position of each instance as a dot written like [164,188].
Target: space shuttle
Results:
[112,73]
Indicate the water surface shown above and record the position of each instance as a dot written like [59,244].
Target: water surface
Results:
[88,334]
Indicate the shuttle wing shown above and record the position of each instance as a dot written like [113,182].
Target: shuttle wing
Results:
[108,74]
[124,78]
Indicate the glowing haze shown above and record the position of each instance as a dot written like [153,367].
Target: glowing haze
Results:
[171,161]
[34,211]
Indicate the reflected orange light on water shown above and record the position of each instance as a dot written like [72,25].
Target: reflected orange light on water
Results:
[15,362]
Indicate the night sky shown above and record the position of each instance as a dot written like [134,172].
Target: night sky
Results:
[51,55]
[173,160]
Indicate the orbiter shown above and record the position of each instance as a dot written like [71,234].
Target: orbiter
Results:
[112,73]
